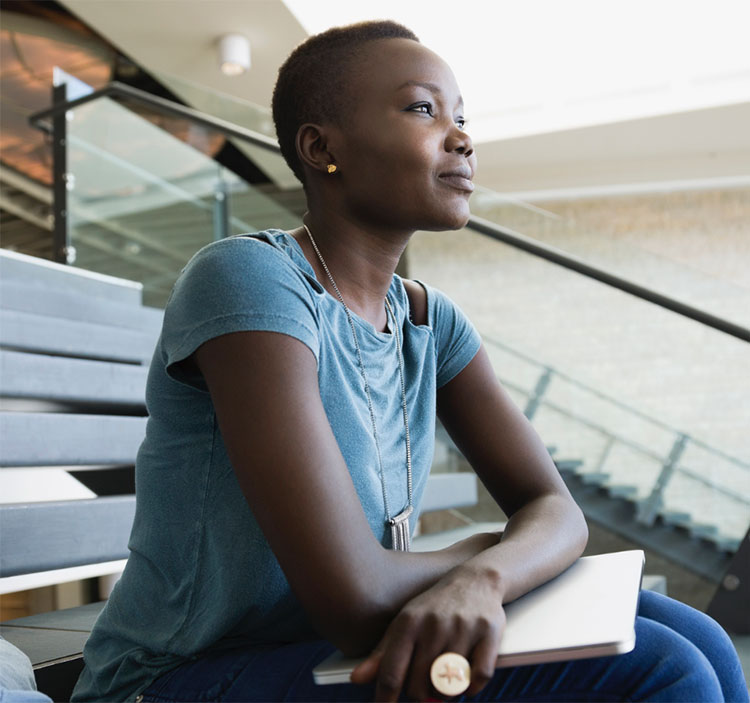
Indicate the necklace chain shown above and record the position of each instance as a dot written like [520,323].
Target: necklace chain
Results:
[367,385]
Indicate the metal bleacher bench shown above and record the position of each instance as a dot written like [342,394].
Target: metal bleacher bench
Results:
[74,353]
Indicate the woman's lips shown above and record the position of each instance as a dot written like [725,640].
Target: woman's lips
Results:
[458,181]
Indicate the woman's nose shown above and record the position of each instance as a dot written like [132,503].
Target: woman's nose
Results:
[459,141]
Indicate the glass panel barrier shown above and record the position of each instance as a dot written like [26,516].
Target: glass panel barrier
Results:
[212,102]
[240,112]
[645,411]
[687,245]
[144,197]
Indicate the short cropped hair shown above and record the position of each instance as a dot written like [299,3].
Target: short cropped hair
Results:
[312,82]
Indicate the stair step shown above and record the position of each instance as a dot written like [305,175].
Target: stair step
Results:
[672,517]
[728,544]
[568,464]
[697,530]
[594,478]
[705,531]
[621,491]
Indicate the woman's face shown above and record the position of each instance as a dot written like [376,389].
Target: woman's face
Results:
[405,161]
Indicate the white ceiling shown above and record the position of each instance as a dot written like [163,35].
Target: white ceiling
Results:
[695,149]
[178,38]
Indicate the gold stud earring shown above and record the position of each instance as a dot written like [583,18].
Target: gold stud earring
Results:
[332,168]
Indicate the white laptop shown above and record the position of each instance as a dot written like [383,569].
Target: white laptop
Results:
[587,611]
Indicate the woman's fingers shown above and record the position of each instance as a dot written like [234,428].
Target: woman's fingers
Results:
[398,646]
[484,657]
[439,635]
[367,669]
[438,621]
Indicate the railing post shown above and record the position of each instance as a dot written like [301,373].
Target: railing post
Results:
[649,508]
[539,390]
[62,250]
[221,210]
[610,442]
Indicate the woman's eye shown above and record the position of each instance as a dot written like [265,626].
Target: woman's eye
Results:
[424,108]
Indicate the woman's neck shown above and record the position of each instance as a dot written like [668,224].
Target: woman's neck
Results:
[361,262]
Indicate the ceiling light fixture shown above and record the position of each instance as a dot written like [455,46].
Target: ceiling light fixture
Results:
[234,54]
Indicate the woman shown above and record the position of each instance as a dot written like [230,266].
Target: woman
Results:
[292,399]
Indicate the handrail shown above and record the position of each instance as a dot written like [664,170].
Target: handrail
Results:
[477,224]
[568,261]
[167,106]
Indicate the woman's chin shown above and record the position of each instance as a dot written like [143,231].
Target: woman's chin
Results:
[450,214]
[458,219]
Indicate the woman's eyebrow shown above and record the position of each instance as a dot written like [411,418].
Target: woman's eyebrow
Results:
[422,84]
[432,87]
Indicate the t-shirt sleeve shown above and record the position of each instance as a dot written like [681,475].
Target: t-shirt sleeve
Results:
[456,339]
[234,285]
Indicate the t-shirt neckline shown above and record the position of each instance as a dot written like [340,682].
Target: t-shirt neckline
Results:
[301,260]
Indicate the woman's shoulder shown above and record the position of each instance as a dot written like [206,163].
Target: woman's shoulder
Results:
[456,340]
[429,306]
[417,300]
[242,249]
[245,262]
[238,284]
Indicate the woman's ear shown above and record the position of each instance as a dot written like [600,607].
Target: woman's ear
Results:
[312,147]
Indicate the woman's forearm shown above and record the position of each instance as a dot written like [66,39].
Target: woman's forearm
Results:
[541,540]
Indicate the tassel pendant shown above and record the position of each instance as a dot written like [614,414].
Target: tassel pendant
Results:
[400,532]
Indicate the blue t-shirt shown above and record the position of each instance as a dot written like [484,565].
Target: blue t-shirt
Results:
[201,574]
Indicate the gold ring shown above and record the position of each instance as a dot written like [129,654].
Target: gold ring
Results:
[450,674]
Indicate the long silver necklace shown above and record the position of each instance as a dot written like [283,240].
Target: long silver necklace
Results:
[399,524]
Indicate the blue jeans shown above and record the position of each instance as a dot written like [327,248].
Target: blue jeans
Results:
[680,655]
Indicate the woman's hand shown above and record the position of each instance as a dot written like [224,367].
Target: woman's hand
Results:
[461,613]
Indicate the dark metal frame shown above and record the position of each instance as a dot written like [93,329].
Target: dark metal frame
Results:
[60,237]
[730,602]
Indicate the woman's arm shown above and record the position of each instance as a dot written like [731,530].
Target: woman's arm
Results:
[546,530]
[264,387]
